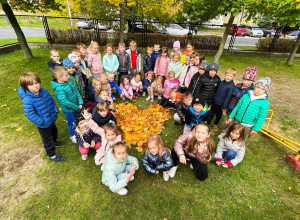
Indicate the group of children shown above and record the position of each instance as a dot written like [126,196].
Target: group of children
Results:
[187,84]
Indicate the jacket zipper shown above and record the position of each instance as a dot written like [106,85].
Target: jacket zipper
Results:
[195,84]
[247,108]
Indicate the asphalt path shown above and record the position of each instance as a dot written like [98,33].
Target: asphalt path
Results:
[7,33]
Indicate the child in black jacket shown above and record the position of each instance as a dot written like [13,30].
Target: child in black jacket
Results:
[182,107]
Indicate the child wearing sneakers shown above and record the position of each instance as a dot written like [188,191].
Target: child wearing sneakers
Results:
[85,137]
[119,168]
[67,96]
[147,81]
[182,108]
[157,157]
[252,108]
[222,97]
[39,107]
[137,85]
[113,85]
[157,88]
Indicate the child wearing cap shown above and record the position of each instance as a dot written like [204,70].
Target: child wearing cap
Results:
[197,113]
[73,78]
[195,81]
[176,49]
[222,97]
[252,108]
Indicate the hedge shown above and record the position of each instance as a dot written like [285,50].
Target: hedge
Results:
[62,36]
[282,45]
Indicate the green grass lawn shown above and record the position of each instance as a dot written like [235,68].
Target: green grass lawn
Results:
[262,186]
[29,40]
[246,47]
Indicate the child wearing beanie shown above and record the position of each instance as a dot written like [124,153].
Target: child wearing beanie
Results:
[73,77]
[252,108]
[176,49]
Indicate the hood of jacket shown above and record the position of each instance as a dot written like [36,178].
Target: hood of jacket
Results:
[203,111]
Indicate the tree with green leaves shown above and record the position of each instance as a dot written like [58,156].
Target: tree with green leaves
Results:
[23,5]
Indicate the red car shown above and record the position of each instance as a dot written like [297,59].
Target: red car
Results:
[241,30]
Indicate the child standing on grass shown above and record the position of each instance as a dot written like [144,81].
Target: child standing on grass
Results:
[137,85]
[197,146]
[157,157]
[195,81]
[110,60]
[194,68]
[101,115]
[162,63]
[149,61]
[183,72]
[156,51]
[175,65]
[170,83]
[55,59]
[85,137]
[124,62]
[39,107]
[231,148]
[113,85]
[187,52]
[176,49]
[119,168]
[76,61]
[252,108]
[222,97]
[126,88]
[147,81]
[94,60]
[157,88]
[182,108]
[67,96]
[83,63]
[135,59]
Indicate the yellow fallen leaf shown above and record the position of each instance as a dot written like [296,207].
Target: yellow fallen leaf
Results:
[290,188]
[19,129]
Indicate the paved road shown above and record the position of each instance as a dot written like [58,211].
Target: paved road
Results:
[6,33]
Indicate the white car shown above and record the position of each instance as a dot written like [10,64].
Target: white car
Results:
[254,31]
[103,26]
[175,29]
[293,35]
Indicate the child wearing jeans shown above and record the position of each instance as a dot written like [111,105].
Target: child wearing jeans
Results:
[147,81]
[113,85]
[119,168]
[149,61]
[67,96]
[157,157]
[39,107]
[135,59]
[124,62]
[252,108]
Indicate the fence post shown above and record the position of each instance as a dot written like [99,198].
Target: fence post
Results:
[276,36]
[232,39]
[47,30]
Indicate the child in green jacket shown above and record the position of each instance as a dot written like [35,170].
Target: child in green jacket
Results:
[252,108]
[67,96]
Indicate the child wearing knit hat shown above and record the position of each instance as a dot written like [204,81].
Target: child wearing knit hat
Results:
[252,108]
[176,49]
[73,78]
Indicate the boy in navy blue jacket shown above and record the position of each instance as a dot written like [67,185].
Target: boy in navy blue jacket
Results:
[55,59]
[39,107]
[222,97]
[101,115]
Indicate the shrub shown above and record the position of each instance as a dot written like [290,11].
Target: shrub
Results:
[282,45]
[63,36]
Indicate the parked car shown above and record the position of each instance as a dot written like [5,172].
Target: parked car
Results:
[84,23]
[151,28]
[254,31]
[270,32]
[175,29]
[293,35]
[102,26]
[241,30]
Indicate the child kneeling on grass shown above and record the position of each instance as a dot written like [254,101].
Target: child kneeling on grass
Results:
[231,148]
[119,168]
[39,107]
[157,157]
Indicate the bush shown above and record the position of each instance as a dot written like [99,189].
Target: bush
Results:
[62,36]
[282,45]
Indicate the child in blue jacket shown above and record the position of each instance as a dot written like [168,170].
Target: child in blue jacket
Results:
[113,85]
[39,107]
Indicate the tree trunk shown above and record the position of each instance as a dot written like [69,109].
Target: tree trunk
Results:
[122,23]
[224,38]
[293,52]
[20,35]
[129,23]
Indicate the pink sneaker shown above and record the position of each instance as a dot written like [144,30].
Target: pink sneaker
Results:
[138,94]
[133,96]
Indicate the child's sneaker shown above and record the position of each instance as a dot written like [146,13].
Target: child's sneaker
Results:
[102,167]
[73,139]
[215,128]
[176,123]
[148,98]
[138,94]
[166,175]
[223,162]
[84,157]
[159,97]
[122,191]
[58,143]
[191,166]
[132,178]
[144,93]
[58,158]
[173,171]
[133,96]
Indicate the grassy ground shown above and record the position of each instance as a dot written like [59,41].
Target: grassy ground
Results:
[32,187]
[246,47]
[210,29]
[29,40]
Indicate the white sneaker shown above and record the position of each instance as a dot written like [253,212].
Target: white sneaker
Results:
[191,166]
[73,139]
[144,93]
[122,191]
[84,157]
[166,175]
[148,98]
[159,97]
[132,178]
[102,167]
[97,162]
[173,171]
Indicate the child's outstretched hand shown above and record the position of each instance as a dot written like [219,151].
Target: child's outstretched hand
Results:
[229,120]
[93,144]
[253,132]
[87,116]
[218,163]
[80,106]
[182,159]
[86,145]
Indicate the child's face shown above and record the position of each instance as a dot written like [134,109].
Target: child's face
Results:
[192,60]
[212,73]
[164,54]
[132,47]
[196,61]
[149,77]
[159,81]
[103,113]
[175,59]
[202,71]
[82,125]
[153,149]
[76,64]
[121,49]
[103,79]
[98,87]
[82,51]
[110,135]
[189,48]
[173,95]
[111,78]
[55,57]
[120,153]
[156,48]
[95,49]
[137,78]
[109,50]
[235,134]
[176,49]
[34,87]
[187,61]
[259,90]
[71,70]
[171,77]
[198,108]
[201,134]
[126,81]
[229,77]
[149,51]
[188,101]
[64,77]
[104,96]
[247,83]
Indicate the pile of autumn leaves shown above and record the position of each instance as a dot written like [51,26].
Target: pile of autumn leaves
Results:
[138,125]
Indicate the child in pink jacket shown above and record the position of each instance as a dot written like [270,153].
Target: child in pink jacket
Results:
[137,85]
[94,60]
[170,83]
[162,63]
[126,88]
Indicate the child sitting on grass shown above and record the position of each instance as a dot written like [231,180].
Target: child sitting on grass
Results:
[40,108]
[175,98]
[147,81]
[170,83]
[156,88]
[137,85]
[182,108]
[157,157]
[102,96]
[113,85]
[126,88]
[101,115]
